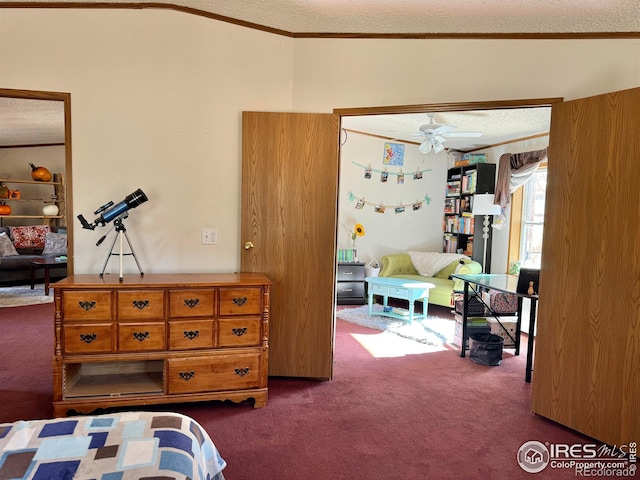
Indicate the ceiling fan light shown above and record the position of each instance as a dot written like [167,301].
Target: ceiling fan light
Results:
[425,147]
[438,147]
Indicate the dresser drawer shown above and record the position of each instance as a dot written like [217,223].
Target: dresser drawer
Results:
[238,332]
[188,334]
[240,301]
[87,305]
[191,303]
[141,337]
[89,338]
[219,372]
[350,289]
[348,272]
[140,304]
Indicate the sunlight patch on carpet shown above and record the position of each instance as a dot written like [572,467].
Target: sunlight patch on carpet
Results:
[388,345]
[432,331]
[23,295]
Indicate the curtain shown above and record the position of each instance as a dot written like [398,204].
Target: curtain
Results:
[514,169]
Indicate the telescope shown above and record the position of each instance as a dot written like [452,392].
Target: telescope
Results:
[109,211]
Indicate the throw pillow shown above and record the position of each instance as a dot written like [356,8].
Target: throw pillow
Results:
[29,237]
[6,247]
[55,244]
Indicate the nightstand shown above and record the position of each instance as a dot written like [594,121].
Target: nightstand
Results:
[350,283]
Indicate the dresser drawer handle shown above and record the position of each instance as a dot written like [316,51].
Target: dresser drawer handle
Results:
[86,306]
[186,376]
[141,304]
[88,337]
[141,336]
[191,302]
[239,331]
[241,372]
[240,301]
[348,290]
[191,334]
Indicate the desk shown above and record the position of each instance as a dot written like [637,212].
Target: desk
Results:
[410,290]
[47,264]
[508,284]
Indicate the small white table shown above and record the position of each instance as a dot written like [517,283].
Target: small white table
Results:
[410,290]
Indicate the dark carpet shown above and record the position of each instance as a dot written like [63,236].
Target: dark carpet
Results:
[384,416]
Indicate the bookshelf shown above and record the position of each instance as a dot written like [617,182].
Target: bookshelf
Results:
[459,225]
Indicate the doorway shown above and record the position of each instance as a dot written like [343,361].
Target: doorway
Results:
[37,130]
[411,207]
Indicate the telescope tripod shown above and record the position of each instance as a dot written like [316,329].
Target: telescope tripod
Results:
[121,234]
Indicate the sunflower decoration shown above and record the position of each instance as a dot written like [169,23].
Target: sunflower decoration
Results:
[358,231]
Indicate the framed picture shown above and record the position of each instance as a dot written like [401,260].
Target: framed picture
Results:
[393,154]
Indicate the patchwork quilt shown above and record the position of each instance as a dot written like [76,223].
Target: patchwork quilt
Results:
[122,446]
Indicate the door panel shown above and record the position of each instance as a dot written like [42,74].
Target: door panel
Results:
[588,340]
[289,197]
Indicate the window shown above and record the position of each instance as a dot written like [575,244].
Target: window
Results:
[532,224]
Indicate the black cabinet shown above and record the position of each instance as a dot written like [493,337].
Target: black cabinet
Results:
[350,283]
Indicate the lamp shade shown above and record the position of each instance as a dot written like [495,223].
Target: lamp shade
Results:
[483,205]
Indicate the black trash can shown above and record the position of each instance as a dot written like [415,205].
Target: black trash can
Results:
[486,348]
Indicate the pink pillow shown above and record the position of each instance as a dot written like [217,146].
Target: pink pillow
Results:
[29,237]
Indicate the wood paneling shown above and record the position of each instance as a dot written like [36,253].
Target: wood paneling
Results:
[587,363]
[289,198]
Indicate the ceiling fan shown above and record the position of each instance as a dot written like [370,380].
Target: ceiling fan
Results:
[434,134]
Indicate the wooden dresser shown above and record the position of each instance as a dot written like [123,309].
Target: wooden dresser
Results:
[160,339]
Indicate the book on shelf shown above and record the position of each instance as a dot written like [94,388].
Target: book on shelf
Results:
[453,188]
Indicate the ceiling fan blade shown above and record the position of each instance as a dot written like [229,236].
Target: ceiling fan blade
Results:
[463,134]
[439,138]
[442,129]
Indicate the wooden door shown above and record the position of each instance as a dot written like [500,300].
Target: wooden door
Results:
[587,364]
[289,211]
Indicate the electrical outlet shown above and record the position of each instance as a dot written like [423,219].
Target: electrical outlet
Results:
[209,236]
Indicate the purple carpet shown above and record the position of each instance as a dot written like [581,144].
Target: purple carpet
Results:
[384,416]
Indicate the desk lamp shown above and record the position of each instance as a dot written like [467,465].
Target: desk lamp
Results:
[483,205]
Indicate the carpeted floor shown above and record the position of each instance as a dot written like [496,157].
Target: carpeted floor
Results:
[23,295]
[408,416]
[432,330]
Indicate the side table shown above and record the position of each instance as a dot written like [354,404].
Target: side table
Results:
[350,283]
[47,264]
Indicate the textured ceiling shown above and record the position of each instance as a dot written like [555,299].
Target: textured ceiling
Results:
[433,16]
[496,126]
[31,122]
[415,16]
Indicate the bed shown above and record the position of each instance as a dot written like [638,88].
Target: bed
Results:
[121,446]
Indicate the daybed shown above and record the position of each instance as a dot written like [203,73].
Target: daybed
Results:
[19,246]
[436,268]
[128,445]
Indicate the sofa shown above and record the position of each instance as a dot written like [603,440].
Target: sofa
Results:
[401,265]
[20,245]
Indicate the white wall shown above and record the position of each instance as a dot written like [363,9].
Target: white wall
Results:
[156,102]
[157,98]
[390,232]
